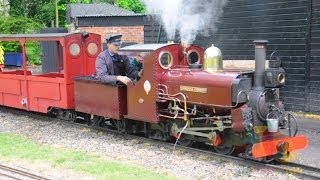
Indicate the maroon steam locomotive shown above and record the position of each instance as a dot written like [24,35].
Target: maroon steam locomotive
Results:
[184,94]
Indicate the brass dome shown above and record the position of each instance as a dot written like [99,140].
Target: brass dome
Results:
[213,61]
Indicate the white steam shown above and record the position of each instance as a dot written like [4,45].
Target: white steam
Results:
[188,17]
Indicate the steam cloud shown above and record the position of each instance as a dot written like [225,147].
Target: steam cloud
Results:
[188,17]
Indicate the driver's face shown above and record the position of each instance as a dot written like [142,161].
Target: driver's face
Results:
[114,47]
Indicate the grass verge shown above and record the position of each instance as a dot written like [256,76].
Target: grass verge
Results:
[13,146]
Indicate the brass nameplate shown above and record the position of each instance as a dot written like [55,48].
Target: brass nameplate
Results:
[193,89]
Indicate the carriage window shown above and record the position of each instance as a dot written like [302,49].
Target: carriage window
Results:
[92,49]
[74,49]
[165,60]
[193,57]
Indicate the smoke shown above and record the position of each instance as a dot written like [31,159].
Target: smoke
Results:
[188,17]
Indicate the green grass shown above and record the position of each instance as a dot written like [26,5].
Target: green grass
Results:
[13,146]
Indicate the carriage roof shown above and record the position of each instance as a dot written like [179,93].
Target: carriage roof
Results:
[44,36]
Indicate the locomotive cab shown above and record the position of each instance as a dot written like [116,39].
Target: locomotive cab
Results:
[141,95]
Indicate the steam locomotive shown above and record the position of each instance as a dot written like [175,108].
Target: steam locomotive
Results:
[183,95]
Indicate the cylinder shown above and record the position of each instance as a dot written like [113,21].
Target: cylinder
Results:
[260,63]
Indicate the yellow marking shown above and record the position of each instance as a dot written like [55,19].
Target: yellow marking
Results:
[1,55]
[260,130]
[193,89]
[312,116]
[290,157]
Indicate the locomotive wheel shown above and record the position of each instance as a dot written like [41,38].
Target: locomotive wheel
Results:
[97,121]
[184,142]
[67,115]
[225,150]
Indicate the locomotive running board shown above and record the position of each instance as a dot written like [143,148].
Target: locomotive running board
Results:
[269,148]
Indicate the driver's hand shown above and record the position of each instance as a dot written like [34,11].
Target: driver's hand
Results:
[140,73]
[124,79]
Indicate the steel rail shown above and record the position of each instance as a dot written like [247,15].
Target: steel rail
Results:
[20,172]
[8,176]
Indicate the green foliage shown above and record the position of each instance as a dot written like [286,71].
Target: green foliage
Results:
[134,5]
[16,25]
[33,52]
[11,46]
[41,11]
[45,14]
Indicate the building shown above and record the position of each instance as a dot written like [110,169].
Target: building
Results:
[106,19]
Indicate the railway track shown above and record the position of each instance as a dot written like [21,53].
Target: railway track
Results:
[17,174]
[299,170]
[303,171]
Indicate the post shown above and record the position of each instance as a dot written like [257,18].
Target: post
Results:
[57,14]
[6,8]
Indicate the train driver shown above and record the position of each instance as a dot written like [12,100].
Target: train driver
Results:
[112,67]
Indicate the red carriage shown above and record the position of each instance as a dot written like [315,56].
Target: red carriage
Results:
[20,88]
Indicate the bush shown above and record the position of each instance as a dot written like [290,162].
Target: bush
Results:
[11,47]
[33,52]
[18,25]
[21,25]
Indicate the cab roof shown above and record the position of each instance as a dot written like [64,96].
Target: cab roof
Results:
[143,47]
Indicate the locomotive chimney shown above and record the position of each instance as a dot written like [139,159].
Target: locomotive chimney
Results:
[260,63]
[184,46]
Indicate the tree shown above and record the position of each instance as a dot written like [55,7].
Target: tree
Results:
[134,5]
[41,11]
[18,25]
[6,8]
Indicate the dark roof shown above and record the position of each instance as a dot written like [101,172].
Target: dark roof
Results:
[95,10]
